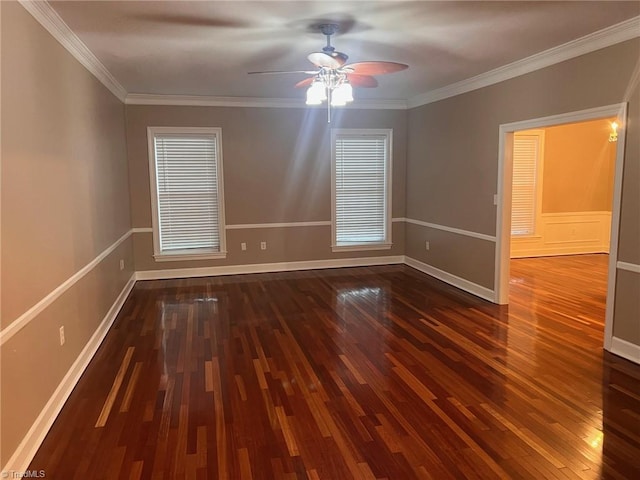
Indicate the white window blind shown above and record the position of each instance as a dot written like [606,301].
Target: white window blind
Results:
[525,166]
[361,189]
[187,168]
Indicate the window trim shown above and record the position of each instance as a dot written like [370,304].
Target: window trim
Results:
[192,254]
[387,243]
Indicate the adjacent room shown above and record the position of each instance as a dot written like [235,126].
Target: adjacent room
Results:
[319,240]
[561,204]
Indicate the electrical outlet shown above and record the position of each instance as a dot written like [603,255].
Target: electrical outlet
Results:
[62,339]
[243,246]
[121,264]
[263,245]
[426,245]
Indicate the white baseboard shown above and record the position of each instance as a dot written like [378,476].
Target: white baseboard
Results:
[559,252]
[625,349]
[21,458]
[267,267]
[451,279]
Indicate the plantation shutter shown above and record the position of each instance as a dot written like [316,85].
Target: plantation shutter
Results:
[525,165]
[188,194]
[360,189]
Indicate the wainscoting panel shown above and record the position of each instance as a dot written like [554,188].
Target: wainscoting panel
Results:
[566,234]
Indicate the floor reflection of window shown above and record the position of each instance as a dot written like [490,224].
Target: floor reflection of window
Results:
[358,293]
[371,300]
[173,313]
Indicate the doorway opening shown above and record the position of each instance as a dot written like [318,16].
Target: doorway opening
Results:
[576,215]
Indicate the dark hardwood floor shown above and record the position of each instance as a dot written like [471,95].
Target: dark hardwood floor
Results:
[357,373]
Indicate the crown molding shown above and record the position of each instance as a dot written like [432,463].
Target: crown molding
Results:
[606,37]
[254,102]
[56,26]
[42,11]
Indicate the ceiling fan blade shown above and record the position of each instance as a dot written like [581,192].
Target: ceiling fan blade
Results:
[375,68]
[305,83]
[331,60]
[277,72]
[365,81]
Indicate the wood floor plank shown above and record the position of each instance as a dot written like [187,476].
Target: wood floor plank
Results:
[117,382]
[359,373]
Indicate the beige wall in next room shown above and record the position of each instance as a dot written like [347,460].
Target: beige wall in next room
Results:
[579,163]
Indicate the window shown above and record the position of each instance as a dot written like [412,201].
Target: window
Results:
[526,195]
[361,188]
[185,167]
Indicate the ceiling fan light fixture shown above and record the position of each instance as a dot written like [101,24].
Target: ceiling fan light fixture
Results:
[343,93]
[316,93]
[333,79]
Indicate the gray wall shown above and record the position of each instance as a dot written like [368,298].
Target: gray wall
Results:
[64,201]
[452,164]
[277,169]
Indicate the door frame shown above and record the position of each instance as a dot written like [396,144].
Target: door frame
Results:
[503,214]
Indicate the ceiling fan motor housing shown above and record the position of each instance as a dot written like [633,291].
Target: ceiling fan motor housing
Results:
[328,29]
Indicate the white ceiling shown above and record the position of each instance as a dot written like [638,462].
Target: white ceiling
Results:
[207,48]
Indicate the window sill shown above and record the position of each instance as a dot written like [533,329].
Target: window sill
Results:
[178,257]
[361,247]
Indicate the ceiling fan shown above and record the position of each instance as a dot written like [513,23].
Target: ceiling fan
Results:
[334,79]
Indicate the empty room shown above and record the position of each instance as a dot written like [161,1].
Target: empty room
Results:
[319,240]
